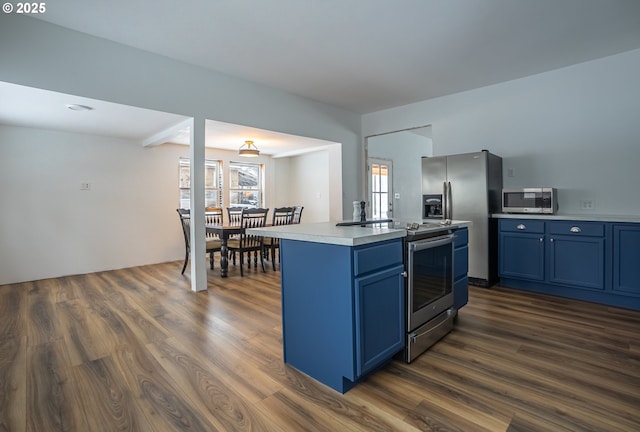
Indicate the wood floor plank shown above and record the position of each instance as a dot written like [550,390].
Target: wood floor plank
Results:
[107,403]
[290,416]
[158,395]
[13,383]
[42,326]
[51,395]
[236,369]
[211,395]
[474,411]
[135,349]
[436,416]
[83,342]
[568,387]
[13,306]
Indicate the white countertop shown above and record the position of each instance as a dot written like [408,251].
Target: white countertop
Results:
[328,232]
[570,217]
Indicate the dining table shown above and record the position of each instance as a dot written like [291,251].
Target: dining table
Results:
[224,232]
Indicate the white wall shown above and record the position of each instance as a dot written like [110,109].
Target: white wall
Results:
[575,128]
[281,178]
[310,180]
[405,149]
[306,180]
[49,227]
[38,54]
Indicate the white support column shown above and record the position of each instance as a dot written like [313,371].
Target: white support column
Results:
[198,241]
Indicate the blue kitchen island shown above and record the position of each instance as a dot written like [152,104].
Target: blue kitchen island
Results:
[343,299]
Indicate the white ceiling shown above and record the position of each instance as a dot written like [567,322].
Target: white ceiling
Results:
[362,55]
[365,55]
[31,107]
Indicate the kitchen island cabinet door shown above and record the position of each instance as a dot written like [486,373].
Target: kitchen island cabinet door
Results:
[522,255]
[379,318]
[626,259]
[342,308]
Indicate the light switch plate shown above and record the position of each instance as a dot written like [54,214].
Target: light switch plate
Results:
[586,205]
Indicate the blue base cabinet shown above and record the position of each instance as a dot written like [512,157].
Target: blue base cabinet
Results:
[460,268]
[577,253]
[343,308]
[626,259]
[521,249]
[593,261]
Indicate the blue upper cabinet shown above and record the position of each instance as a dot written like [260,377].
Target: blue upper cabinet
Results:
[626,258]
[588,260]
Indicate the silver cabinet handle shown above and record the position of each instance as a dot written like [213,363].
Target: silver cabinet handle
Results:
[521,226]
[575,229]
[551,240]
[541,240]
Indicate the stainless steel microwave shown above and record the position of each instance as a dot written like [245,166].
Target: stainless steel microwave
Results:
[530,200]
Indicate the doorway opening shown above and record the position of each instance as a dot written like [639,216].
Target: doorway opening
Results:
[381,175]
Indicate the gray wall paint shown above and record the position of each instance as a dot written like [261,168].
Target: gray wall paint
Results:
[128,218]
[575,128]
[52,228]
[405,149]
[42,55]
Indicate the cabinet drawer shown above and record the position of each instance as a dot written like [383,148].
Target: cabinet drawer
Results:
[460,262]
[593,229]
[522,225]
[377,257]
[461,237]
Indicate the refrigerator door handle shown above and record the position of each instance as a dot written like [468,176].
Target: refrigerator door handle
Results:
[449,214]
[445,203]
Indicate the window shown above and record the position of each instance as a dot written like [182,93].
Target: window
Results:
[380,188]
[245,185]
[212,183]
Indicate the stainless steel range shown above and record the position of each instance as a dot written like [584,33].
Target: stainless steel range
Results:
[429,263]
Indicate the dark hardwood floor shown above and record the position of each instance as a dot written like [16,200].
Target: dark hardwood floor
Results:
[136,350]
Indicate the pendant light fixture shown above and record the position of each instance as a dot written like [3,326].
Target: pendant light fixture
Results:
[248,150]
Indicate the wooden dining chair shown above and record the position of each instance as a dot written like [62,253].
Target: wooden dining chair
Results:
[247,243]
[214,216]
[213,244]
[234,215]
[297,214]
[281,216]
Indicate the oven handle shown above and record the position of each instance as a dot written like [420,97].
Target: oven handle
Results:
[430,243]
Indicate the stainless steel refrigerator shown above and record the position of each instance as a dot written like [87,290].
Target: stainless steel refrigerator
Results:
[467,187]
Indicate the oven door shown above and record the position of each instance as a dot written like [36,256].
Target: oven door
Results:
[429,279]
